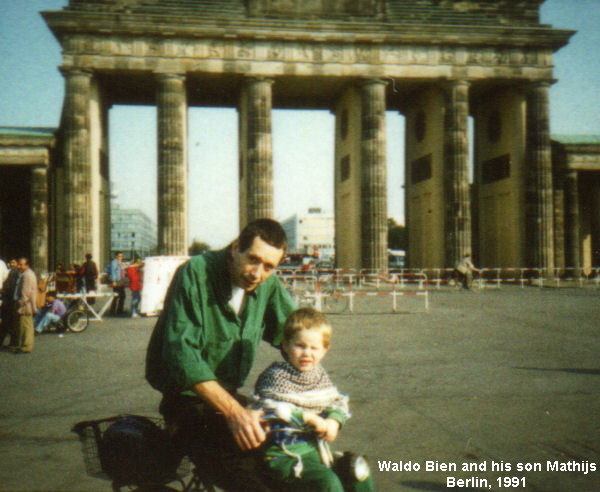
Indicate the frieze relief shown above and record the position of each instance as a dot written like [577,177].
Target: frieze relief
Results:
[312,8]
[305,52]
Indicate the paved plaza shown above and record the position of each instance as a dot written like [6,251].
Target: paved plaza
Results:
[491,379]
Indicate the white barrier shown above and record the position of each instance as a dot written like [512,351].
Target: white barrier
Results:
[84,296]
[328,288]
[499,276]
[349,284]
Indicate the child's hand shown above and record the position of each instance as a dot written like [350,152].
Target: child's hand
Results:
[326,429]
[332,428]
[312,419]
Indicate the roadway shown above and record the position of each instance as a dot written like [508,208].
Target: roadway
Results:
[490,379]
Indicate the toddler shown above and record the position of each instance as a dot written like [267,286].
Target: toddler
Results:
[305,412]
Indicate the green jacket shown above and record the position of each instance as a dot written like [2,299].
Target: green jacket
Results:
[198,336]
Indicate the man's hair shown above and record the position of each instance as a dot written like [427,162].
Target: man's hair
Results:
[23,258]
[88,256]
[51,293]
[269,230]
[307,318]
[117,253]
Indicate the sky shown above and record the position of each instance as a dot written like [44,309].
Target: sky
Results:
[31,94]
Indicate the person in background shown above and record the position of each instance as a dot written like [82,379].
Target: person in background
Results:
[52,311]
[9,317]
[26,307]
[62,281]
[3,276]
[3,273]
[88,272]
[464,271]
[135,285]
[117,281]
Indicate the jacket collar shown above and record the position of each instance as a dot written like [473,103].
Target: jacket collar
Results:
[219,266]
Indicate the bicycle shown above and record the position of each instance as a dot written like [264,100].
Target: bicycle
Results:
[138,451]
[303,289]
[334,299]
[76,319]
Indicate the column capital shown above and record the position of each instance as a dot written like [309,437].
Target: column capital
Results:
[450,84]
[169,75]
[541,84]
[571,173]
[365,81]
[68,70]
[258,78]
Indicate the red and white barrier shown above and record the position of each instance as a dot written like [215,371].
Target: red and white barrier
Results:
[319,295]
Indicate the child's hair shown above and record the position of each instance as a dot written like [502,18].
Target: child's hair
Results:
[307,318]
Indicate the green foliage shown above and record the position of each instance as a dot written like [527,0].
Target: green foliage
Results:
[397,236]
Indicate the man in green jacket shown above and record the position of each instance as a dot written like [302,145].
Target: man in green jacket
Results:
[219,307]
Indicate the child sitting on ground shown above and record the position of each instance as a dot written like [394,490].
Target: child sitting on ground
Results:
[305,411]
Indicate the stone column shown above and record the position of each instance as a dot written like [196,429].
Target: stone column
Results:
[373,175]
[572,246]
[172,164]
[456,172]
[259,140]
[78,238]
[39,220]
[538,186]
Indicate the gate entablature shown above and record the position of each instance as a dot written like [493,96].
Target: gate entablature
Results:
[256,55]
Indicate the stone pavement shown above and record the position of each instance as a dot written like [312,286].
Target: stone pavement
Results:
[492,379]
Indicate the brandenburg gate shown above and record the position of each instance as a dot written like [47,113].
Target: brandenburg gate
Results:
[438,62]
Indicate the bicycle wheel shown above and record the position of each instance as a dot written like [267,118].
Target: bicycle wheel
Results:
[335,302]
[77,320]
[305,300]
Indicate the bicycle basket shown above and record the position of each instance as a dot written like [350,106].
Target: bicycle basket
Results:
[130,450]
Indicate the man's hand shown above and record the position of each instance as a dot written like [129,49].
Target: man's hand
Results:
[247,429]
[245,424]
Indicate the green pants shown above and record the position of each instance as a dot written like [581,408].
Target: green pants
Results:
[315,476]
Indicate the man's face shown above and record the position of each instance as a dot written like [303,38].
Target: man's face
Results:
[13,263]
[252,267]
[22,265]
[119,257]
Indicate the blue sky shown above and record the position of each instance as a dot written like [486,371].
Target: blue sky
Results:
[31,92]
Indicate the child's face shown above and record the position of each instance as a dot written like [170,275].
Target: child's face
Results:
[306,350]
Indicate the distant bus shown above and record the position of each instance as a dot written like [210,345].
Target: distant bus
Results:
[396,258]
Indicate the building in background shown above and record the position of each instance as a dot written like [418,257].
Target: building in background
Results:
[132,232]
[314,230]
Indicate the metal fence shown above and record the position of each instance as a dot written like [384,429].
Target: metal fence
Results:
[338,290]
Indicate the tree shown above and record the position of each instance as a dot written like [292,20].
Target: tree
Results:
[397,237]
[198,247]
